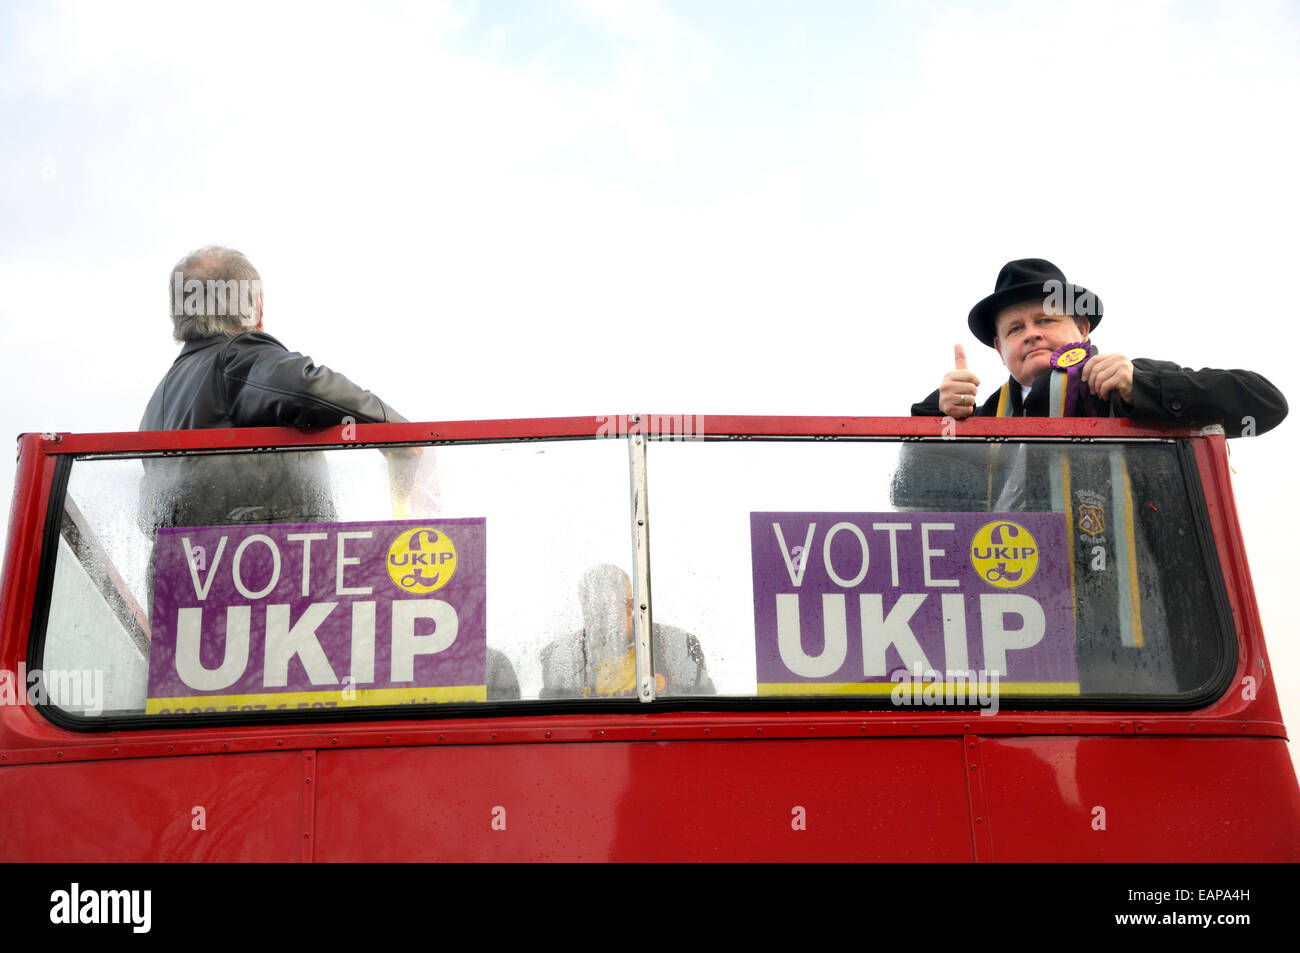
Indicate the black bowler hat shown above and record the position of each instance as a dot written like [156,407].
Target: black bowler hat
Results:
[1026,279]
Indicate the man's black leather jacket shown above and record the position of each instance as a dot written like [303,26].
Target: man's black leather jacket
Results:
[1243,401]
[247,381]
[254,381]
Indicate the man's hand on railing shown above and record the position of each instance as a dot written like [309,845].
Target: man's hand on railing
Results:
[1110,373]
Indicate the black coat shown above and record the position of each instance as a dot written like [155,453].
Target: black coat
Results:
[251,380]
[1163,391]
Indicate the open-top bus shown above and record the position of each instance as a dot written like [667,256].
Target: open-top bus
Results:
[638,637]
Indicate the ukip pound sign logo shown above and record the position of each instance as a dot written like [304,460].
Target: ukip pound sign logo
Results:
[1005,554]
[421,560]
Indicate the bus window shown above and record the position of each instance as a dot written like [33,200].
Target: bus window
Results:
[1056,571]
[247,582]
[364,578]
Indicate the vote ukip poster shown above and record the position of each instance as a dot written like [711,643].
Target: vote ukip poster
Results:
[318,615]
[855,603]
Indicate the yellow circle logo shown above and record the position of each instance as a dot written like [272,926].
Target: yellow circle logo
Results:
[421,560]
[1005,554]
[1071,357]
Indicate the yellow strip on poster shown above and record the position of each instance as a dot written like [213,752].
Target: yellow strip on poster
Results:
[771,689]
[279,701]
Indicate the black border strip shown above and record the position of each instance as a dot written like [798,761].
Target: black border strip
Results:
[45,577]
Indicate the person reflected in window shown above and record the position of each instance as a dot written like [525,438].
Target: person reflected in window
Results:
[600,659]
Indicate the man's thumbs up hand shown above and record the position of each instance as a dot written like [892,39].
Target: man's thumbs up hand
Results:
[957,392]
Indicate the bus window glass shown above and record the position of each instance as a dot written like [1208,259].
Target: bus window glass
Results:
[274,580]
[1036,570]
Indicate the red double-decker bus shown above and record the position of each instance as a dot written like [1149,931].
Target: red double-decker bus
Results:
[637,638]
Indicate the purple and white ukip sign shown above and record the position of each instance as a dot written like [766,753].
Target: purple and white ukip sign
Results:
[318,615]
[857,603]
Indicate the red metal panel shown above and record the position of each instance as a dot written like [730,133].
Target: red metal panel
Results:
[654,786]
[261,437]
[23,548]
[144,810]
[307,805]
[1008,427]
[612,425]
[1254,691]
[861,799]
[1160,798]
[973,763]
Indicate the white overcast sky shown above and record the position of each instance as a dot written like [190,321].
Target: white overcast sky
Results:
[522,209]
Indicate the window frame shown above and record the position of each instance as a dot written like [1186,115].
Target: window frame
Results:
[761,429]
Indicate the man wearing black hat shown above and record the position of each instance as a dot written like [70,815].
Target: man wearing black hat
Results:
[1039,324]
[1125,511]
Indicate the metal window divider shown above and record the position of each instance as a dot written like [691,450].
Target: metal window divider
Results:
[642,624]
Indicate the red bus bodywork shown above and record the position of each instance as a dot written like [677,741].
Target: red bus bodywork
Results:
[1216,784]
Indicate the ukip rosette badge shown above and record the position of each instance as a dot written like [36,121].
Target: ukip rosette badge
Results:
[421,560]
[1004,554]
[1070,355]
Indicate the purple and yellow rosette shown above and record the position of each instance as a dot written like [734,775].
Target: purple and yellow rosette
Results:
[1070,360]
